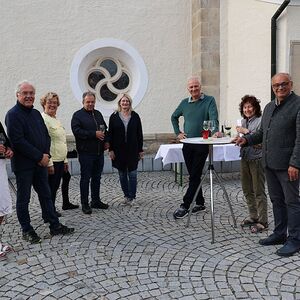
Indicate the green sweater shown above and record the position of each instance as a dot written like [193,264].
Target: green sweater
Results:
[194,114]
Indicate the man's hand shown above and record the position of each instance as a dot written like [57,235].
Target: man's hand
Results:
[239,141]
[8,153]
[100,135]
[181,136]
[293,173]
[45,160]
[51,170]
[141,155]
[112,155]
[106,146]
[218,134]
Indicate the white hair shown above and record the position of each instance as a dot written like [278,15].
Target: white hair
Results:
[19,85]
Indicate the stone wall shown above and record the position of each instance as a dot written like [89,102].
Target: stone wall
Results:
[206,45]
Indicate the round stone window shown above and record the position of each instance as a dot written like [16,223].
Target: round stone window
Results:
[109,68]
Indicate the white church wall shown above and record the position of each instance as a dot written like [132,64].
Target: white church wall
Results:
[39,40]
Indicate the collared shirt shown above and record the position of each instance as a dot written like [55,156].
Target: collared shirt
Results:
[277,103]
[200,98]
[58,148]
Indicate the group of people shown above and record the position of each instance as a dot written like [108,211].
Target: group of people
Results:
[36,144]
[270,148]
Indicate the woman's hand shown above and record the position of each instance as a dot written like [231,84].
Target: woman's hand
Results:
[66,167]
[242,130]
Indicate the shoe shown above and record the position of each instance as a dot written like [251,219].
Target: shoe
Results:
[100,205]
[272,239]
[86,210]
[248,222]
[5,248]
[289,248]
[198,208]
[62,229]
[180,213]
[69,206]
[31,237]
[259,227]
[128,201]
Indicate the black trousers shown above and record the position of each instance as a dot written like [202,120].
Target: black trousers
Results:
[194,157]
[65,188]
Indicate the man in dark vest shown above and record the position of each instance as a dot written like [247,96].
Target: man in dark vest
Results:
[280,137]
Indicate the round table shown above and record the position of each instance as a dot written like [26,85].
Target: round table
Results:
[211,171]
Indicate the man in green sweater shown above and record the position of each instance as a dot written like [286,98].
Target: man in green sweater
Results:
[194,109]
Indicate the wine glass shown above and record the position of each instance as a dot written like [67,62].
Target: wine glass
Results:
[227,126]
[239,124]
[205,132]
[2,142]
[211,125]
[206,125]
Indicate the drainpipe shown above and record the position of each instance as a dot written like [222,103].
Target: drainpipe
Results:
[273,39]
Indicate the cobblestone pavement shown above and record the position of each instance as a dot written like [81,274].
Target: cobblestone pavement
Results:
[141,252]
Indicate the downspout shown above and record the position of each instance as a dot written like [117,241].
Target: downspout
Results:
[273,39]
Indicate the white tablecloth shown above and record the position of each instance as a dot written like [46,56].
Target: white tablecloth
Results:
[172,153]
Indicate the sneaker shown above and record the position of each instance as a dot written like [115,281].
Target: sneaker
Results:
[198,208]
[180,213]
[31,237]
[62,229]
[100,205]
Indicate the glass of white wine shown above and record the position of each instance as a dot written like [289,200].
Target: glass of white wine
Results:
[102,127]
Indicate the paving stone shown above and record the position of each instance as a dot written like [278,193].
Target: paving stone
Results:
[141,252]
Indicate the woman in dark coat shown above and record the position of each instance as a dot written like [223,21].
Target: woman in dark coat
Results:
[126,145]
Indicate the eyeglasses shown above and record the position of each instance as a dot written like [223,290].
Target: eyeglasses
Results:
[30,93]
[281,84]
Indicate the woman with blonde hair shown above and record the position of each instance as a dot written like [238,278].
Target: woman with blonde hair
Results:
[126,145]
[58,163]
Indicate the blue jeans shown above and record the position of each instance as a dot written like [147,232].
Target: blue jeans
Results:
[128,182]
[38,178]
[91,166]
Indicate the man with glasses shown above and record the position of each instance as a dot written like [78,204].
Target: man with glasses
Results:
[30,142]
[280,136]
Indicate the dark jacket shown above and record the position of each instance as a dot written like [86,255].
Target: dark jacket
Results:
[28,135]
[126,151]
[280,134]
[84,126]
[6,142]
